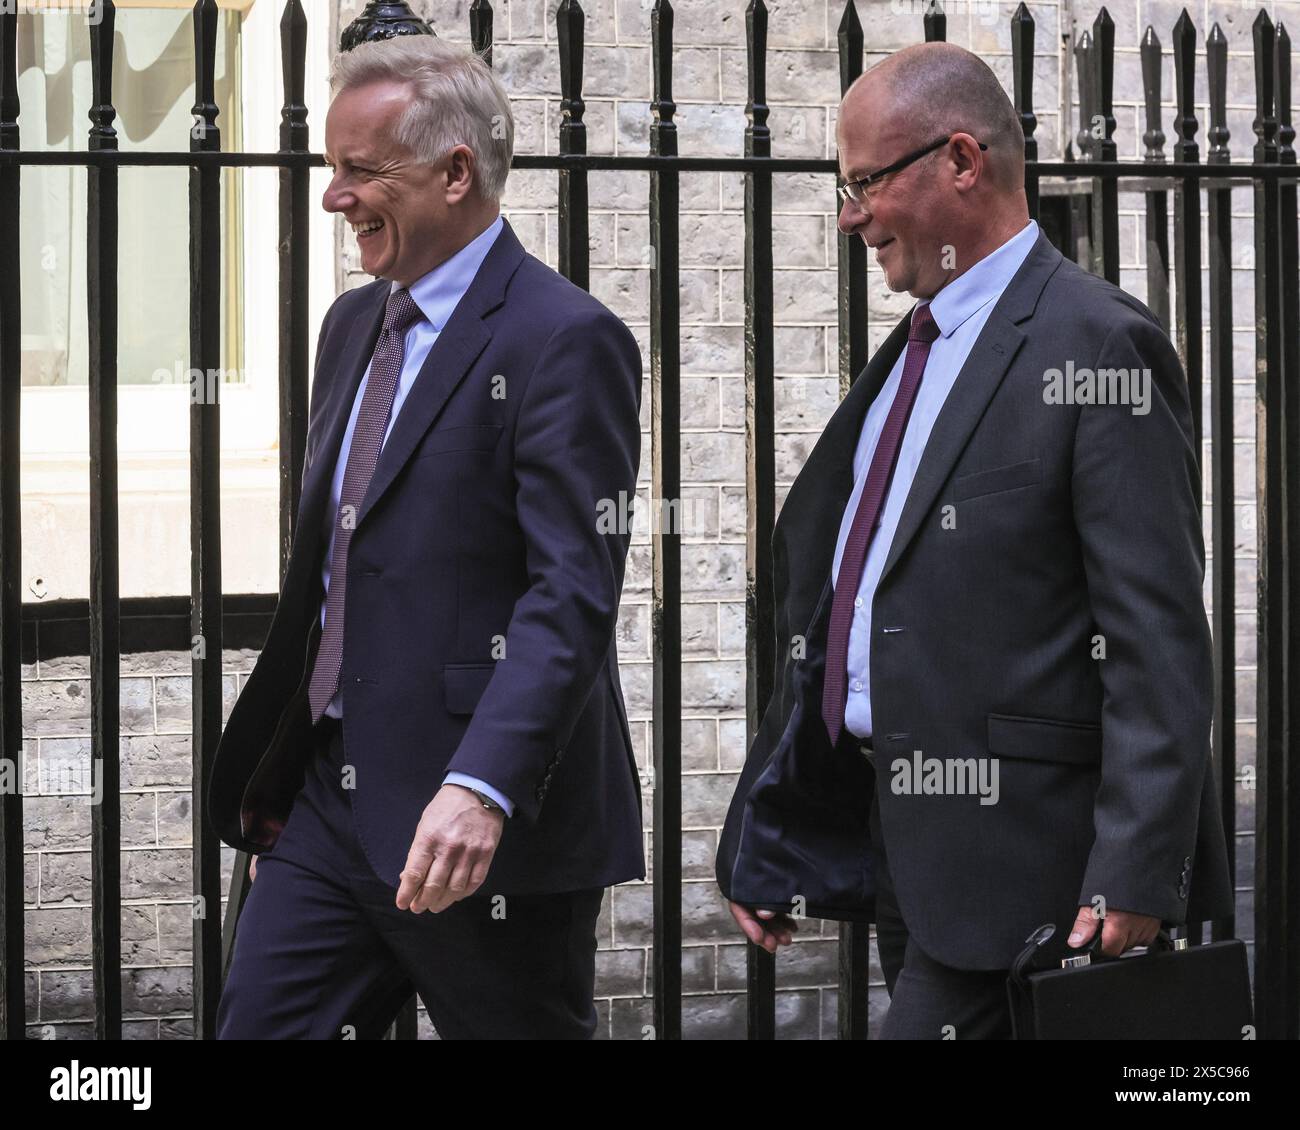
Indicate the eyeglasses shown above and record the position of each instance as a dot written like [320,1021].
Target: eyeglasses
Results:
[856,190]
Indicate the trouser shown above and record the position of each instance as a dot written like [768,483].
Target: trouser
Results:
[322,951]
[929,1000]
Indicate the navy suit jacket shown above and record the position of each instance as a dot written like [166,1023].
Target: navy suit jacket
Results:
[482,589]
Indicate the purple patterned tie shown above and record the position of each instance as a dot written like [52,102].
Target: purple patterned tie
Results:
[367,439]
[922,333]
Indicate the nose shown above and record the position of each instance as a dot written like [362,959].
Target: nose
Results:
[336,199]
[851,217]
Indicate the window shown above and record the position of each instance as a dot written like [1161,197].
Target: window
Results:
[153,92]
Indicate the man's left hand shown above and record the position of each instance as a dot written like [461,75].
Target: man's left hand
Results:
[452,850]
[1121,930]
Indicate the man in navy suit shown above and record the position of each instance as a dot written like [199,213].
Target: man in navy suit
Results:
[435,721]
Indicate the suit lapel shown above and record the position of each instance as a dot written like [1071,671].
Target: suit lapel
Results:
[459,344]
[814,508]
[989,359]
[461,341]
[360,345]
[810,516]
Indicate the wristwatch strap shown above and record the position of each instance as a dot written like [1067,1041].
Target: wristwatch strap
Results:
[487,801]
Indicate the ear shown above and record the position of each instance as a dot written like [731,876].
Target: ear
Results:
[968,161]
[461,172]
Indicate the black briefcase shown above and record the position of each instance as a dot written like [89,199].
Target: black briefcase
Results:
[1166,991]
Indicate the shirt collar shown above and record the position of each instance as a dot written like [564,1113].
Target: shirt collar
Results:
[974,289]
[438,292]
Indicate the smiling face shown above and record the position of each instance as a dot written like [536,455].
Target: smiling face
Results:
[402,211]
[904,212]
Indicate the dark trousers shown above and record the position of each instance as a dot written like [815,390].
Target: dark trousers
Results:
[323,953]
[927,1000]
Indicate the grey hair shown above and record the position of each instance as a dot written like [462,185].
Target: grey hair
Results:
[455,100]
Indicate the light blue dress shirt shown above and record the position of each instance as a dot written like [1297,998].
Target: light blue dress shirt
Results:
[437,295]
[960,310]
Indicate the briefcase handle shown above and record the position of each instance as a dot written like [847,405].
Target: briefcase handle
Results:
[1033,958]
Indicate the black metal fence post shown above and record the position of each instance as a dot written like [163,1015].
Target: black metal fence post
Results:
[105,639]
[1271,975]
[854,957]
[1289,324]
[666,516]
[1223,510]
[760,460]
[13,997]
[205,510]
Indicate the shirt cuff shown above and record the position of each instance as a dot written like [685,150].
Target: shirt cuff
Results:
[487,790]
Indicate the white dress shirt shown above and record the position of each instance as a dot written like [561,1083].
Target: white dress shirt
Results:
[436,294]
[960,310]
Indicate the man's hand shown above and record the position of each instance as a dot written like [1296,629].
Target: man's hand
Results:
[764,928]
[1121,930]
[252,869]
[452,850]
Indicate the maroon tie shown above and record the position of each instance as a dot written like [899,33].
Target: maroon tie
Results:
[367,439]
[922,333]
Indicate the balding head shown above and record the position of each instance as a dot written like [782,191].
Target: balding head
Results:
[938,215]
[933,89]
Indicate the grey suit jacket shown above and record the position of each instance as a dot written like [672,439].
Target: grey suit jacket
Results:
[1040,606]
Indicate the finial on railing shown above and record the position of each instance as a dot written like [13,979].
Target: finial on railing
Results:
[849,37]
[205,136]
[935,21]
[1265,123]
[480,29]
[1085,76]
[8,77]
[293,64]
[102,113]
[1216,62]
[1285,130]
[1154,137]
[663,130]
[1103,47]
[570,24]
[382,19]
[1185,125]
[1022,76]
[758,136]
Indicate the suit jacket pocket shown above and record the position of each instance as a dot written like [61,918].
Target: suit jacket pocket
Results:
[463,437]
[997,479]
[463,685]
[1044,739]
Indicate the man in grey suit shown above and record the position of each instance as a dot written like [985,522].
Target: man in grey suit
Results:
[994,675]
